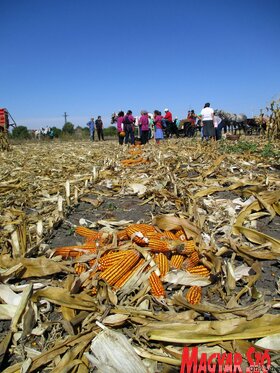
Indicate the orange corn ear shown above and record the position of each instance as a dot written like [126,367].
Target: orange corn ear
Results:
[122,281]
[94,291]
[73,251]
[177,261]
[159,246]
[110,259]
[162,263]
[143,228]
[192,260]
[194,294]
[169,235]
[180,235]
[80,268]
[156,285]
[122,235]
[155,235]
[112,274]
[86,232]
[189,247]
[199,270]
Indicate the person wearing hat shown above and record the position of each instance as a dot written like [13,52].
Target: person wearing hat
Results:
[167,121]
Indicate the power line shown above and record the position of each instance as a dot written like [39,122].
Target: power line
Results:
[65,117]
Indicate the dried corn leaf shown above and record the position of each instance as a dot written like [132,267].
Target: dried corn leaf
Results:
[212,331]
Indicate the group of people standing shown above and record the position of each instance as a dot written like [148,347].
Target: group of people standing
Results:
[159,126]
[147,124]
[96,125]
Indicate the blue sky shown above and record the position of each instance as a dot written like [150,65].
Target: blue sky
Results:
[91,57]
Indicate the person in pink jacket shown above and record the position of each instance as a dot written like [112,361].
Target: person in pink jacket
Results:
[144,125]
[120,127]
[158,126]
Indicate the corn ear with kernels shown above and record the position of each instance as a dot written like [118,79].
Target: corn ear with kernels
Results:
[80,268]
[115,272]
[192,260]
[199,270]
[110,259]
[156,285]
[122,281]
[194,295]
[176,261]
[162,263]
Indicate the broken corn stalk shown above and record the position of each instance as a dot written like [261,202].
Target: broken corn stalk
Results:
[194,294]
[156,285]
[112,274]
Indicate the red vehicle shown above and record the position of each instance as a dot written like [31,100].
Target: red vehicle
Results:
[4,120]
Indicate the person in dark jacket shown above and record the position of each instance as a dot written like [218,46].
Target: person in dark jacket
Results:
[99,128]
[128,122]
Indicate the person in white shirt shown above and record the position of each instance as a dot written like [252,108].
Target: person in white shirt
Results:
[207,117]
[218,129]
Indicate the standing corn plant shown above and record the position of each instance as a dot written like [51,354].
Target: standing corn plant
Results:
[273,128]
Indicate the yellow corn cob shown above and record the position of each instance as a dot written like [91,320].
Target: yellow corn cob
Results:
[112,274]
[88,233]
[180,235]
[143,228]
[122,281]
[122,235]
[156,285]
[162,263]
[177,261]
[200,270]
[80,268]
[192,260]
[110,259]
[194,294]
[158,246]
[169,235]
[94,291]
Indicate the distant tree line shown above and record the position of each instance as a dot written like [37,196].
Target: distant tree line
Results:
[68,131]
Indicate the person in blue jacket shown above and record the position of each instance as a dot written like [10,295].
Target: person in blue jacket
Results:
[91,127]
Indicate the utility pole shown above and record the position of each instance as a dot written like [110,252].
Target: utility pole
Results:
[65,117]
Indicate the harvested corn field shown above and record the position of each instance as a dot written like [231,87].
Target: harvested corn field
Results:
[155,247]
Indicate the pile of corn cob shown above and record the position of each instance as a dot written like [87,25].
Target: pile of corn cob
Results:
[118,256]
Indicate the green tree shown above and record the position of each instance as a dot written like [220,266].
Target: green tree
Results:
[21,132]
[110,131]
[56,132]
[68,128]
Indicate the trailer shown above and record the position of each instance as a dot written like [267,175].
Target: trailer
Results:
[6,120]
